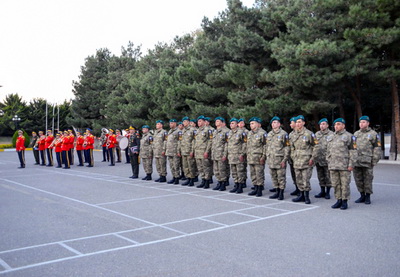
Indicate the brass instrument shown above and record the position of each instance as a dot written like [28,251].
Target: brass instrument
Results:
[55,141]
[104,132]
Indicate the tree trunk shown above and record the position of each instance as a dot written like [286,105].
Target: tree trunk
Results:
[396,117]
[356,95]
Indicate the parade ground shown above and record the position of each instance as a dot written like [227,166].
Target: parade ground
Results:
[98,222]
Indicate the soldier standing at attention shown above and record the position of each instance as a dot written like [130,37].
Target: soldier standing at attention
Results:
[236,155]
[117,148]
[111,143]
[20,148]
[64,150]
[202,152]
[42,147]
[242,127]
[323,135]
[35,148]
[369,153]
[186,151]
[278,151]
[134,150]
[290,161]
[302,151]
[71,147]
[341,156]
[219,154]
[49,149]
[58,150]
[79,147]
[256,155]
[182,175]
[171,151]
[159,144]
[146,152]
[89,145]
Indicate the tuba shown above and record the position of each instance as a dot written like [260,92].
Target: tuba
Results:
[104,132]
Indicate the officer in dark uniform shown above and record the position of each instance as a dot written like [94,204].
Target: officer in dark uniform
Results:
[134,148]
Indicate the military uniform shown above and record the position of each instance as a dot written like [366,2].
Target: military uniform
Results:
[185,149]
[171,151]
[202,144]
[35,148]
[159,144]
[321,162]
[236,158]
[146,154]
[341,155]
[20,148]
[134,150]
[219,154]
[369,153]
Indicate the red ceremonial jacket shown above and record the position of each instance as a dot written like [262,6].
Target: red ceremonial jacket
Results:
[20,143]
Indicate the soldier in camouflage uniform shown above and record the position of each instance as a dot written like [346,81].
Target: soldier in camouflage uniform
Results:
[134,150]
[256,155]
[278,151]
[320,159]
[171,151]
[242,127]
[160,137]
[202,152]
[290,161]
[182,175]
[236,155]
[219,153]
[302,152]
[185,150]
[146,152]
[208,125]
[369,153]
[341,156]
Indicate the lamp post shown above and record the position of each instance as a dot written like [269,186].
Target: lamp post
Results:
[16,119]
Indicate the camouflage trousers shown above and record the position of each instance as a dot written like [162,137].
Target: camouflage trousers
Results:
[175,165]
[239,173]
[323,176]
[293,173]
[204,167]
[303,177]
[341,183]
[363,177]
[161,165]
[221,170]
[189,166]
[147,165]
[257,174]
[278,177]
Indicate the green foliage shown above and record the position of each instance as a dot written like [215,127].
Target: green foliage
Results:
[14,138]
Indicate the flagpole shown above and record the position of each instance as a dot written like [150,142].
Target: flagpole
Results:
[58,118]
[54,107]
[46,117]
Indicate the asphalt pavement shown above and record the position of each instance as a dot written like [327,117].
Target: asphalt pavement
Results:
[98,222]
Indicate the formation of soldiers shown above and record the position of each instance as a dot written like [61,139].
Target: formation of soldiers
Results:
[196,152]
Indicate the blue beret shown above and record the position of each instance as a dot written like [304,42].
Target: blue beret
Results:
[341,120]
[364,117]
[160,121]
[275,118]
[323,120]
[202,117]
[220,118]
[257,119]
[193,120]
[146,126]
[207,119]
[180,123]
[293,119]
[186,118]
[300,117]
[88,129]
[240,120]
[173,120]
[234,119]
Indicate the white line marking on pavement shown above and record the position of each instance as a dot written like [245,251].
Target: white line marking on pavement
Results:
[70,248]
[124,238]
[5,265]
[136,199]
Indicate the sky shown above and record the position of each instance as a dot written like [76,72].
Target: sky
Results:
[44,43]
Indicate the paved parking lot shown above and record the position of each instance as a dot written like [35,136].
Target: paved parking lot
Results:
[98,222]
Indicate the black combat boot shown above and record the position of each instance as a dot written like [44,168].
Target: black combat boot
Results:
[176,181]
[148,177]
[207,184]
[145,178]
[203,183]
[344,205]
[299,198]
[280,197]
[259,191]
[321,194]
[163,179]
[235,188]
[211,181]
[187,182]
[157,180]
[307,197]
[240,188]
[272,190]
[196,179]
[337,205]
[223,186]
[171,181]
[296,191]
[218,186]
[367,198]
[361,199]
[276,194]
[191,183]
[182,177]
[327,194]
[244,185]
[254,191]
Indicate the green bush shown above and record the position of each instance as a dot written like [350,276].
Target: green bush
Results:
[27,138]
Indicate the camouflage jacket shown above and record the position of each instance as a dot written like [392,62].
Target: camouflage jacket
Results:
[236,145]
[322,137]
[278,149]
[171,146]
[202,142]
[341,151]
[219,147]
[160,140]
[146,149]
[256,146]
[185,144]
[302,148]
[368,148]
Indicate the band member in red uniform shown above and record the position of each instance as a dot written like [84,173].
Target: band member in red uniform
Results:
[89,147]
[48,145]
[79,147]
[64,149]
[106,156]
[127,156]
[20,148]
[58,150]
[117,148]
[111,143]
[71,147]
[42,147]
